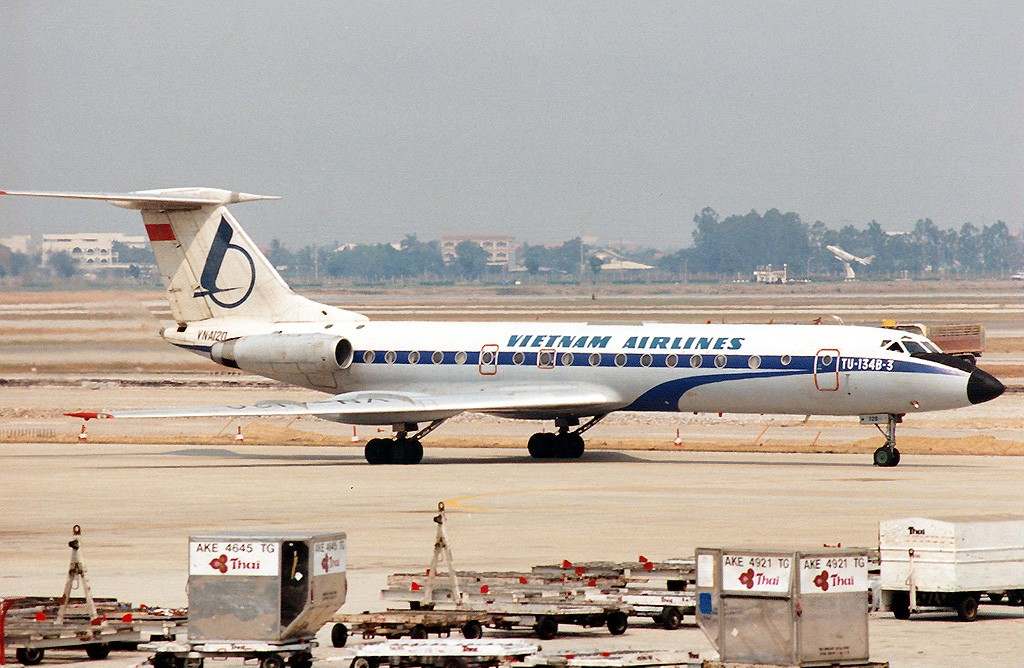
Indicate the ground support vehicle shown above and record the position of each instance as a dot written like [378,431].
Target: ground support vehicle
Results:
[269,654]
[31,636]
[616,659]
[963,340]
[931,564]
[32,625]
[443,653]
[416,624]
[543,618]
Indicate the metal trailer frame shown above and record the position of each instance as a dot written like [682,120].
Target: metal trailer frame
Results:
[297,653]
[544,619]
[443,653]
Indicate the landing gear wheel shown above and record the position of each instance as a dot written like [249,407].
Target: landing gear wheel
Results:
[377,451]
[546,628]
[886,457]
[29,656]
[472,630]
[670,618]
[572,446]
[617,623]
[543,445]
[418,632]
[339,635]
[901,605]
[967,608]
[407,451]
[97,652]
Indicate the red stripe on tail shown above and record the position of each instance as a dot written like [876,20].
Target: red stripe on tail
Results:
[160,232]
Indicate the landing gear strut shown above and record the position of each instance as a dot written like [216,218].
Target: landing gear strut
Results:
[562,445]
[403,449]
[888,455]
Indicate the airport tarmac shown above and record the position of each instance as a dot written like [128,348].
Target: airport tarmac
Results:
[140,488]
[137,505]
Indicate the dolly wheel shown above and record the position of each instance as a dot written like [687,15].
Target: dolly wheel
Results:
[29,656]
[453,662]
[967,608]
[339,635]
[472,630]
[671,618]
[419,632]
[97,652]
[617,623]
[271,661]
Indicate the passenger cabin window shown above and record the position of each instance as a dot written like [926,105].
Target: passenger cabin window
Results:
[414,357]
[517,359]
[460,357]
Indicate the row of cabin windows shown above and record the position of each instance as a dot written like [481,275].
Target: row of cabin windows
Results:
[547,358]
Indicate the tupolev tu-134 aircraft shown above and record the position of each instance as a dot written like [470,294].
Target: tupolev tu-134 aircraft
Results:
[233,307]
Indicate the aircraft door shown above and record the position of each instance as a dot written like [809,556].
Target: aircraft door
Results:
[826,370]
[488,359]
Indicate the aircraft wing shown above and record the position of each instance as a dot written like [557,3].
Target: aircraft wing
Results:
[389,407]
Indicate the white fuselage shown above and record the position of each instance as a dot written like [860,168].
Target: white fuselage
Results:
[799,369]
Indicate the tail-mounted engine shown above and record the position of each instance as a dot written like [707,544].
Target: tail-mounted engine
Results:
[287,357]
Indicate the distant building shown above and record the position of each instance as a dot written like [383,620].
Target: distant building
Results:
[500,247]
[89,250]
[766,274]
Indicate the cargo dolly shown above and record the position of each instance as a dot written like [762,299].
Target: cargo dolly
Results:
[443,654]
[33,625]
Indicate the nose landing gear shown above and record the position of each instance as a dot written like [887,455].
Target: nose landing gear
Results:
[888,455]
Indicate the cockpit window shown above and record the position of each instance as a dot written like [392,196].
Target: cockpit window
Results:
[932,348]
[896,347]
[914,347]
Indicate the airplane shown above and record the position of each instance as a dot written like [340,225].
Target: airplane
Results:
[231,306]
[847,258]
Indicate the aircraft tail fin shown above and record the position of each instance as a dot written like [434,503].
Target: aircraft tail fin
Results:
[209,265]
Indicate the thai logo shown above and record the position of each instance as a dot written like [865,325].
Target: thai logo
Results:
[214,261]
[747,578]
[821,581]
[329,562]
[220,563]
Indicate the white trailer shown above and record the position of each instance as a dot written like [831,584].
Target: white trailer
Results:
[443,653]
[951,563]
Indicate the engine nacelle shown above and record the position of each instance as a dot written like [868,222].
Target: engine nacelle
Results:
[284,354]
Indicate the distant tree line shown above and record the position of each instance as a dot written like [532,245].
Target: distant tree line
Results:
[722,247]
[736,245]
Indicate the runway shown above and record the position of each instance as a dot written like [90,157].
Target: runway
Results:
[137,504]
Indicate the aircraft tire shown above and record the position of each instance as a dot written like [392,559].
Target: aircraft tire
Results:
[885,457]
[412,452]
[543,445]
[377,451]
[571,446]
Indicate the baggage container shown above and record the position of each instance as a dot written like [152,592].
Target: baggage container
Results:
[264,586]
[951,563]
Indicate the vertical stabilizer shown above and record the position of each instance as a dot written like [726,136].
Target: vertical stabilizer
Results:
[209,265]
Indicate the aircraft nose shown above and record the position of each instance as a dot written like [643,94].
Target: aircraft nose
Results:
[983,386]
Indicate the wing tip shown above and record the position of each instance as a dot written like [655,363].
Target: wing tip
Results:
[89,415]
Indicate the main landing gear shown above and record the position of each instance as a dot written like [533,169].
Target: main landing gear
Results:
[888,455]
[402,449]
[564,444]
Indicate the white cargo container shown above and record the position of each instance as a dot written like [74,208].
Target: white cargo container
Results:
[950,563]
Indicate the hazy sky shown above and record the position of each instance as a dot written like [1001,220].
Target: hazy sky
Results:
[544,120]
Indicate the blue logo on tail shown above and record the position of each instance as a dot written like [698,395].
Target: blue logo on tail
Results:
[208,281]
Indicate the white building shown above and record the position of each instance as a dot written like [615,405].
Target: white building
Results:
[89,250]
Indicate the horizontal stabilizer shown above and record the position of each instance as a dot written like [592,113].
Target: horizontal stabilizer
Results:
[170,199]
